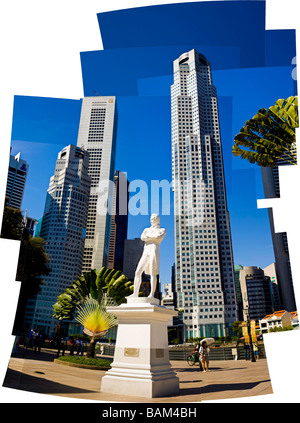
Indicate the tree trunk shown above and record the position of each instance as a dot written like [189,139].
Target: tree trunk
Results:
[91,350]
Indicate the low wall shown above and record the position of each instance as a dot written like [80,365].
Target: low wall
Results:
[181,353]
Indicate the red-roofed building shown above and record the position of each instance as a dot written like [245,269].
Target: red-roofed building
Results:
[295,320]
[278,319]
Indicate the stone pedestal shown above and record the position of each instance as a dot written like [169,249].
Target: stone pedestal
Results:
[141,364]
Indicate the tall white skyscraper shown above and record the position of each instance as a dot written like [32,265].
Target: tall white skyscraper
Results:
[97,135]
[63,229]
[204,261]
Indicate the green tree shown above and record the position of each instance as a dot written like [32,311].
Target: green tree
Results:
[237,329]
[32,263]
[270,135]
[12,224]
[92,284]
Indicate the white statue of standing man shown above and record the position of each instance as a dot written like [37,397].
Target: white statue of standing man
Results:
[149,262]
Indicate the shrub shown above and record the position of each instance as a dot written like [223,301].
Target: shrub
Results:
[280,329]
[86,361]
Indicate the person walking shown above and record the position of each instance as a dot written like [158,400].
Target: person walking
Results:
[79,346]
[197,356]
[247,350]
[35,341]
[60,346]
[255,350]
[72,343]
[30,338]
[38,340]
[204,356]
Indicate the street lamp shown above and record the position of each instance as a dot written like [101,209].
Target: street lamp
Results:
[246,310]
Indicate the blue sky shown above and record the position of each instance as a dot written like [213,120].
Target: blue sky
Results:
[251,69]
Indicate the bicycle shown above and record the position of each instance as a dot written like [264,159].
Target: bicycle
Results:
[193,358]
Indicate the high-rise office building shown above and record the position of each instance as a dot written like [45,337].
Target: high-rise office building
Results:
[256,289]
[133,250]
[173,282]
[63,229]
[204,261]
[119,221]
[17,174]
[97,135]
[29,223]
[270,178]
[37,232]
[238,292]
[271,272]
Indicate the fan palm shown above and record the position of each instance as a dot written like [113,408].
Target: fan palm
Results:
[104,287]
[95,318]
[270,135]
[110,281]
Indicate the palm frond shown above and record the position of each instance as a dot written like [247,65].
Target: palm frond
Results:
[95,284]
[95,318]
[269,137]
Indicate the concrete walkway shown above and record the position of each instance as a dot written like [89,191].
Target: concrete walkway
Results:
[36,372]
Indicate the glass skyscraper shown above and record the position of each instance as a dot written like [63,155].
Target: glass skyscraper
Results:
[119,221]
[270,178]
[16,179]
[204,274]
[63,228]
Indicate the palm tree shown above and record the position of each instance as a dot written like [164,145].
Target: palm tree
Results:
[95,318]
[270,135]
[92,287]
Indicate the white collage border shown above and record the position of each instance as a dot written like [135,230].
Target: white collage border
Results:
[40,55]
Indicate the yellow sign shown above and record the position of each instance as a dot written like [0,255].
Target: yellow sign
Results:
[247,338]
[254,338]
[252,327]
[245,330]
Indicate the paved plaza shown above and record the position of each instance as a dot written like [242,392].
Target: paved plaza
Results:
[37,372]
